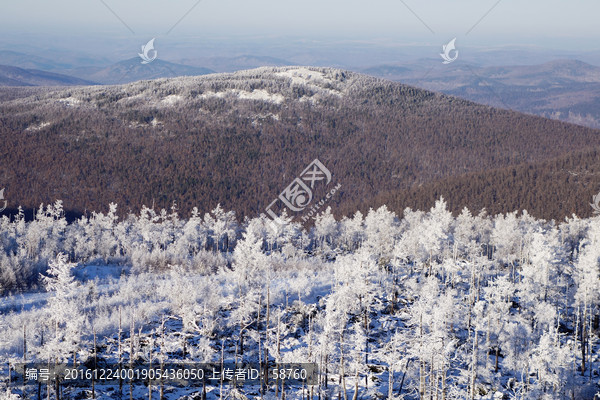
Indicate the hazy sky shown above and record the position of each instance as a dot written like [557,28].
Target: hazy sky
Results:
[511,19]
[115,29]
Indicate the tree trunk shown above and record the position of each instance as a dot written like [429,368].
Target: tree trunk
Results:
[403,376]
[497,356]
[342,367]
[589,335]
[576,334]
[474,365]
[432,380]
[421,380]
[390,382]
[488,343]
[57,388]
[48,385]
[266,367]
[222,362]
[444,389]
[355,395]
[95,366]
[583,339]
[326,371]
[241,340]
[162,358]
[131,336]
[150,368]
[119,351]
[421,362]
[24,358]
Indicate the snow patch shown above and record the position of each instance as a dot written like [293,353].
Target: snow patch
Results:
[38,127]
[154,123]
[259,118]
[261,95]
[302,76]
[70,101]
[258,95]
[171,100]
[315,80]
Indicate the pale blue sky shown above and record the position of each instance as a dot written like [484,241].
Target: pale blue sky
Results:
[317,32]
[568,19]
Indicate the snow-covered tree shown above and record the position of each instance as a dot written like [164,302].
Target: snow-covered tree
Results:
[64,313]
[222,226]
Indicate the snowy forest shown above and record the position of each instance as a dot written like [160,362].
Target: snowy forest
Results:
[426,306]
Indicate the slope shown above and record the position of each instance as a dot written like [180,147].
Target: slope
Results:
[554,188]
[239,139]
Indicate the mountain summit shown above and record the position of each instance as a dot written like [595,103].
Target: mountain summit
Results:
[239,139]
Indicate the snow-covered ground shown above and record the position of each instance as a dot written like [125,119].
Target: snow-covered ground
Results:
[430,306]
[103,277]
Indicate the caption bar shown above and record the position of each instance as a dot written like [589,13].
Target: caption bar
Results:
[182,374]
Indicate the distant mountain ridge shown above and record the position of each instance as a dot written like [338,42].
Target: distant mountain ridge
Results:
[568,90]
[132,70]
[563,89]
[237,63]
[14,76]
[31,61]
[29,70]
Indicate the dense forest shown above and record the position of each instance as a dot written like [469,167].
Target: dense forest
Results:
[555,188]
[239,139]
[427,306]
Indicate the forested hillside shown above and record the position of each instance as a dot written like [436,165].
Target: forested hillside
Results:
[239,139]
[559,187]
